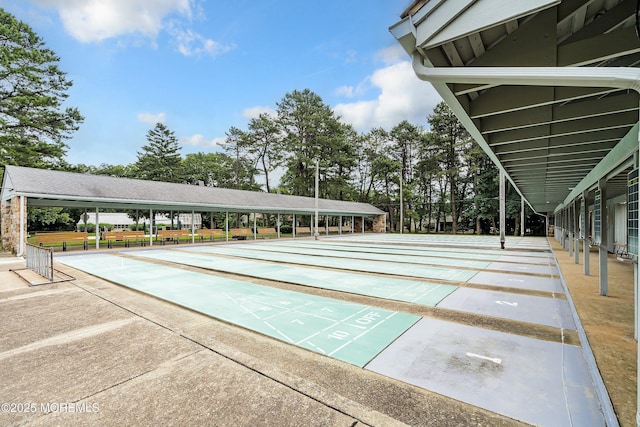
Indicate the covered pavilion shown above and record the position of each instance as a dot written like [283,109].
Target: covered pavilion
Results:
[24,187]
[549,90]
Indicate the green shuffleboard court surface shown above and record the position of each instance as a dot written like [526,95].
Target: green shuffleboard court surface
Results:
[388,256]
[415,292]
[350,332]
[409,270]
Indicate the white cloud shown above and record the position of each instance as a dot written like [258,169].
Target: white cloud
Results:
[152,119]
[254,112]
[96,20]
[402,97]
[392,54]
[198,140]
[353,91]
[190,43]
[346,91]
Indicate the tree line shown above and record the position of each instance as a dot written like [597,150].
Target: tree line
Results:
[447,182]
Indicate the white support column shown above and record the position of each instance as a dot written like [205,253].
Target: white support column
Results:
[193,227]
[326,224]
[576,232]
[278,224]
[522,216]
[293,228]
[362,224]
[585,242]
[570,230]
[340,226]
[226,226]
[255,225]
[97,229]
[502,209]
[353,224]
[150,227]
[604,239]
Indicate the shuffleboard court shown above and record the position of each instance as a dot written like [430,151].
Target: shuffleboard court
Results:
[422,293]
[440,252]
[518,281]
[406,257]
[460,240]
[545,270]
[525,308]
[346,331]
[539,382]
[408,270]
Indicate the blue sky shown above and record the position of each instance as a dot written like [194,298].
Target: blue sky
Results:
[201,67]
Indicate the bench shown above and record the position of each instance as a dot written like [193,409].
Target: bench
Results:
[124,235]
[621,252]
[211,233]
[241,233]
[268,230]
[174,235]
[346,229]
[303,230]
[334,229]
[64,237]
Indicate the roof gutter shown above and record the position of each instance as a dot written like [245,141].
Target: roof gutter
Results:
[613,77]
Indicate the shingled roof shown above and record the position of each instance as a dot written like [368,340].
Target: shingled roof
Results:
[45,187]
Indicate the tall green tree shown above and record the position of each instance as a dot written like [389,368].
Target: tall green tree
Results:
[427,170]
[338,163]
[485,192]
[310,127]
[33,123]
[453,140]
[218,170]
[237,146]
[160,159]
[368,147]
[263,139]
[405,139]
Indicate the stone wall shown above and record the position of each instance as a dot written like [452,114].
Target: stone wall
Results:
[10,224]
[380,223]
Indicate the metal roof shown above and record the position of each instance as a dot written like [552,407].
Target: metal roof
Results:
[56,188]
[548,89]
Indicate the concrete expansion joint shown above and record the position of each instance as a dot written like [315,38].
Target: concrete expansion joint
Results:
[360,413]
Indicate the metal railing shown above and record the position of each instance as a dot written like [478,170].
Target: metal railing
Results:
[40,260]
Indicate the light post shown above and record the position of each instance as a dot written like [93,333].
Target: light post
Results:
[315,230]
[401,203]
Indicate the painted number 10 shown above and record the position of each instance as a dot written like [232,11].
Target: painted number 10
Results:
[339,335]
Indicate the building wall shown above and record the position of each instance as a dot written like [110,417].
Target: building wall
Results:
[380,223]
[10,224]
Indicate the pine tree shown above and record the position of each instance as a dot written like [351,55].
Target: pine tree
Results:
[33,124]
[160,160]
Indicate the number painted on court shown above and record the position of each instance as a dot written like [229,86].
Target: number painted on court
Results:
[368,318]
[339,335]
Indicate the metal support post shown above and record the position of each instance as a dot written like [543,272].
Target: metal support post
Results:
[502,209]
[604,239]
